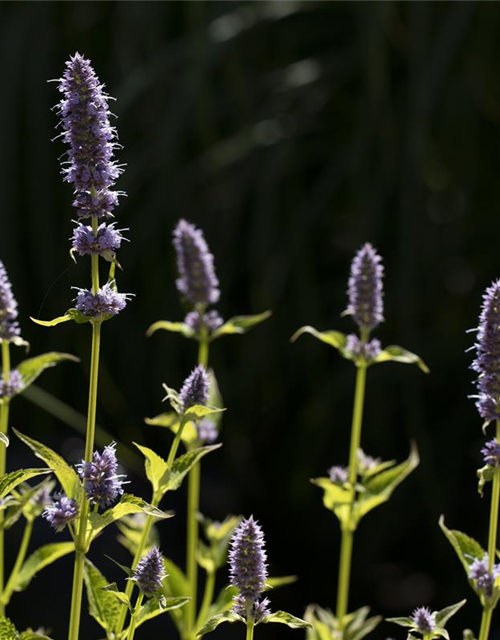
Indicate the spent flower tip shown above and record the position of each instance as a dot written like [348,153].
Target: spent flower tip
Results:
[365,289]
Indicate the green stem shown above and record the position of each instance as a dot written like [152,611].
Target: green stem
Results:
[21,555]
[80,545]
[250,628]
[193,507]
[207,598]
[135,615]
[4,428]
[492,542]
[347,530]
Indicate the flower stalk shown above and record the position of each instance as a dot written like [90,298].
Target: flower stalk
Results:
[21,555]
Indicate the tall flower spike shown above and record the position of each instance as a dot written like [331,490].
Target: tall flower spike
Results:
[150,572]
[487,362]
[197,279]
[248,564]
[365,289]
[195,388]
[85,115]
[9,327]
[101,482]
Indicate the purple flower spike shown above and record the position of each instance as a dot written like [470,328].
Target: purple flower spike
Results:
[197,280]
[195,388]
[365,289]
[9,327]
[209,321]
[248,565]
[13,385]
[487,362]
[101,482]
[150,572]
[104,243]
[62,511]
[85,120]
[106,302]
[423,620]
[491,453]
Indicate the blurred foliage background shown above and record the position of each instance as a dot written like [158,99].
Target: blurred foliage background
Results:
[291,132]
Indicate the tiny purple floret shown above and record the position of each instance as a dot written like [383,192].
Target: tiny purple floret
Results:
[338,474]
[209,321]
[13,385]
[356,348]
[104,243]
[484,580]
[491,453]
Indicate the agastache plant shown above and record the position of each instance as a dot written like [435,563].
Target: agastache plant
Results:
[353,491]
[198,286]
[483,573]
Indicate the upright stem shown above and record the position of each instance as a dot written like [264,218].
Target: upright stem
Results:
[207,598]
[347,532]
[80,544]
[492,542]
[193,506]
[250,628]
[4,427]
[133,619]
[21,555]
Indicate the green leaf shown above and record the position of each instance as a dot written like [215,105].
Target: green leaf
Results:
[394,353]
[403,622]
[215,621]
[172,478]
[445,614]
[131,529]
[335,339]
[240,324]
[155,466]
[103,606]
[286,618]
[171,421]
[38,560]
[466,548]
[379,488]
[336,498]
[223,602]
[175,585]
[71,314]
[4,439]
[24,504]
[30,369]
[198,411]
[113,591]
[127,505]
[280,581]
[154,607]
[10,481]
[7,630]
[218,534]
[66,475]
[326,626]
[485,474]
[175,327]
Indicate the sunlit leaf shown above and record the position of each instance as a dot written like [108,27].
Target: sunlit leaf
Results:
[9,481]
[38,560]
[335,339]
[103,606]
[240,324]
[282,617]
[113,591]
[394,353]
[215,621]
[71,314]
[175,327]
[155,466]
[173,477]
[30,369]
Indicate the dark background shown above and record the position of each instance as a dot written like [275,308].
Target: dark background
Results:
[291,132]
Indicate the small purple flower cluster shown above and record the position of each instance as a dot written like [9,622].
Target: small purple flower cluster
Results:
[13,385]
[197,281]
[356,348]
[206,430]
[93,171]
[9,327]
[248,569]
[424,620]
[194,391]
[365,289]
[491,453]
[484,580]
[61,512]
[338,474]
[487,362]
[100,479]
[150,572]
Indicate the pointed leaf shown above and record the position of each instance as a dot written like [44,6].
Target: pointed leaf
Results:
[466,548]
[154,464]
[4,439]
[403,622]
[200,411]
[30,369]
[66,475]
[224,601]
[445,614]
[71,314]
[103,606]
[281,581]
[240,324]
[175,585]
[335,339]
[485,474]
[286,618]
[393,353]
[172,478]
[175,327]
[38,560]
[336,498]
[213,623]
[154,608]
[131,529]
[10,481]
[113,591]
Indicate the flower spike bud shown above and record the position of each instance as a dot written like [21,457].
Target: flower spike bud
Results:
[195,389]
[365,289]
[100,479]
[9,326]
[424,620]
[150,572]
[197,279]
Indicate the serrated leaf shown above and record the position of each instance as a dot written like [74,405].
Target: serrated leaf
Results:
[103,606]
[7,630]
[175,585]
[66,475]
[240,324]
[445,614]
[466,548]
[154,608]
[336,498]
[10,481]
[127,505]
[173,477]
[71,314]
[113,591]
[30,369]
[215,621]
[175,327]
[335,339]
[283,617]
[155,466]
[38,560]
[393,353]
